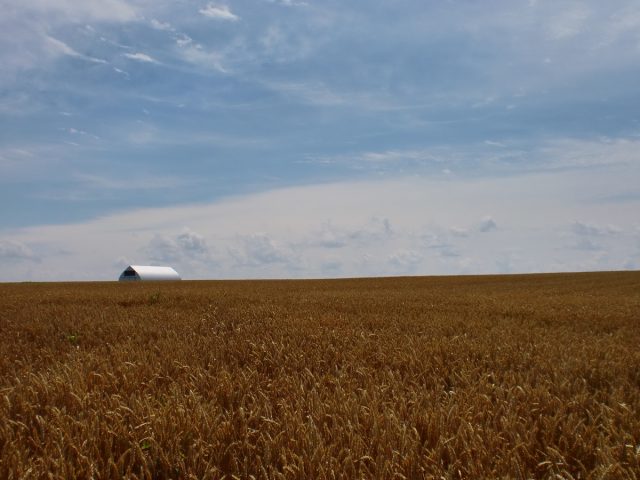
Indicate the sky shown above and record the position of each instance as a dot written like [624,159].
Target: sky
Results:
[305,139]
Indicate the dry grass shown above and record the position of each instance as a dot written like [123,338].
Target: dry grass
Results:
[467,377]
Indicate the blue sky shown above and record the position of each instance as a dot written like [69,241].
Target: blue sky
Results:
[286,138]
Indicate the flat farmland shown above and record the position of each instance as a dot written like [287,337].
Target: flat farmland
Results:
[528,376]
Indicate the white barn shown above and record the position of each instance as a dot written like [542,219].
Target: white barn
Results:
[146,272]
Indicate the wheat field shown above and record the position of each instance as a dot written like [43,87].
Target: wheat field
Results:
[531,376]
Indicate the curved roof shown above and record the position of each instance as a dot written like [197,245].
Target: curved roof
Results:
[148,272]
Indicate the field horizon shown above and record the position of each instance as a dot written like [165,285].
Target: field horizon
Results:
[313,279]
[465,376]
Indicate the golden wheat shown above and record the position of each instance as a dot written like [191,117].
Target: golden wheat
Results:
[454,377]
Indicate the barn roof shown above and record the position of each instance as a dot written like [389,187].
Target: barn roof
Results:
[149,272]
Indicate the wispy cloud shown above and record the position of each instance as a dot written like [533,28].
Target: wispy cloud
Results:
[183,40]
[290,3]
[158,25]
[311,93]
[569,22]
[198,55]
[14,155]
[140,57]
[56,46]
[87,10]
[148,182]
[219,12]
[76,131]
[494,156]
[30,32]
[565,153]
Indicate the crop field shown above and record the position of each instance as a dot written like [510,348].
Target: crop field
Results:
[529,376]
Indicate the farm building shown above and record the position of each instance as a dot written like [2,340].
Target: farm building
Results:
[146,272]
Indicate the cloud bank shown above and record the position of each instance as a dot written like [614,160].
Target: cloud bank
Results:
[388,227]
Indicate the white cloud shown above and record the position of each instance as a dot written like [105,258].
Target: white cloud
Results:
[393,226]
[187,251]
[570,153]
[164,26]
[183,40]
[28,30]
[587,243]
[163,249]
[397,160]
[442,243]
[399,155]
[58,47]
[15,250]
[140,57]
[374,230]
[120,71]
[508,262]
[220,12]
[405,260]
[76,131]
[329,237]
[566,153]
[487,224]
[192,243]
[586,229]
[197,55]
[171,248]
[593,237]
[290,3]
[285,44]
[259,249]
[458,232]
